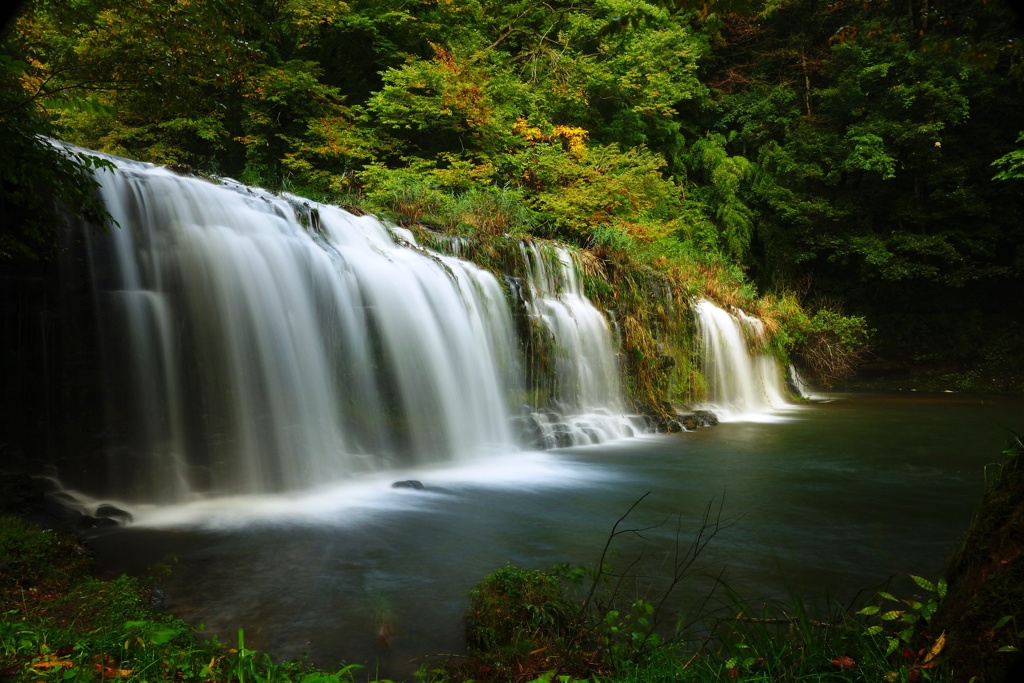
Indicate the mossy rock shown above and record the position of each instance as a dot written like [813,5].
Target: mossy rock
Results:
[983,612]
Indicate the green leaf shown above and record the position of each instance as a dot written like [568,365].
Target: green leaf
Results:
[892,615]
[1003,621]
[1008,648]
[643,607]
[870,610]
[923,583]
[164,635]
[1012,164]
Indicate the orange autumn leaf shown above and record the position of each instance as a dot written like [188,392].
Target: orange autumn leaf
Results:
[844,662]
[52,663]
[937,646]
[108,672]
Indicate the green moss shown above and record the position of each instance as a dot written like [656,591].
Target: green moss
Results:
[31,557]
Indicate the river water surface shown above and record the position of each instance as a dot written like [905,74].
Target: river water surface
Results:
[822,502]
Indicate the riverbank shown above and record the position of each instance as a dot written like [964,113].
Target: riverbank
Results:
[993,372]
[60,623]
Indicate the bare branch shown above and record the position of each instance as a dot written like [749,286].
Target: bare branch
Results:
[604,552]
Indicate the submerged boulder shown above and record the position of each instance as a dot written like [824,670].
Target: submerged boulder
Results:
[116,514]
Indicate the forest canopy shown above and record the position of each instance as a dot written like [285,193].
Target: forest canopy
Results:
[863,157]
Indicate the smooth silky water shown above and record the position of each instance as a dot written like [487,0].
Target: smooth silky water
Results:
[833,499]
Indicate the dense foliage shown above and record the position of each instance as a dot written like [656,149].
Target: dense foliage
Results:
[846,156]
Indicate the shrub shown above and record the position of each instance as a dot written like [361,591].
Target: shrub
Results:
[828,344]
[518,616]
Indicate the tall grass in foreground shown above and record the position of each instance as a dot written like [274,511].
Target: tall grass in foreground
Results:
[744,642]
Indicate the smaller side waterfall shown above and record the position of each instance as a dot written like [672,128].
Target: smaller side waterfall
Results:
[741,382]
[797,383]
[586,397]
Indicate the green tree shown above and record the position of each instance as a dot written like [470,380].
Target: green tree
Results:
[873,129]
[41,182]
[148,80]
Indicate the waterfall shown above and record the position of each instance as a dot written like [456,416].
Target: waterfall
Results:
[253,343]
[741,382]
[797,383]
[585,395]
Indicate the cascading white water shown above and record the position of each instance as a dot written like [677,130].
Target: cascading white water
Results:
[254,343]
[587,394]
[741,383]
[798,383]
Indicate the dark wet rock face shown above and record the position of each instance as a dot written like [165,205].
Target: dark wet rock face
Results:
[665,419]
[986,584]
[705,418]
[26,496]
[18,493]
[36,499]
